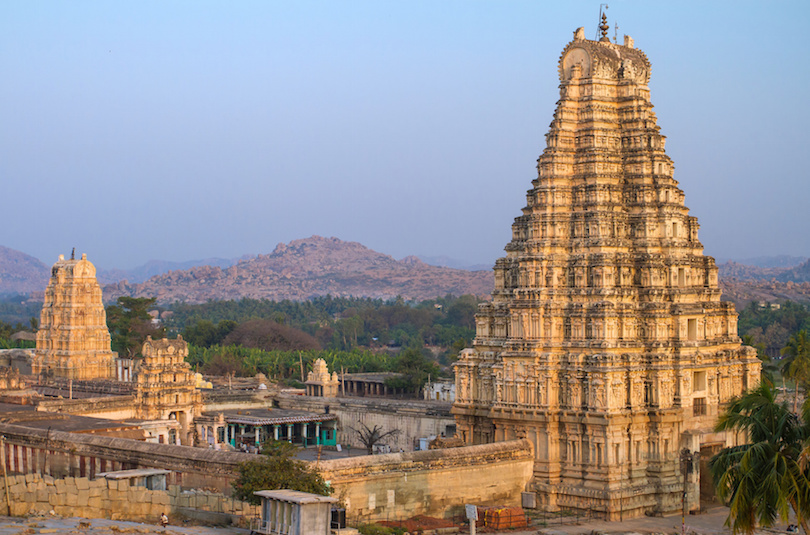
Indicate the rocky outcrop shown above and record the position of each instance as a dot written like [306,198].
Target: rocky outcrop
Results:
[21,273]
[306,268]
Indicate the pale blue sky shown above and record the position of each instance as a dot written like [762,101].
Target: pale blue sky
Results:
[180,130]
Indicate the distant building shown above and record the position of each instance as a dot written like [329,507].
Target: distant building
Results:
[247,429]
[372,384]
[320,383]
[440,391]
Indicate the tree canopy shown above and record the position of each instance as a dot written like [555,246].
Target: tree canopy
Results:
[765,479]
[130,323]
[277,468]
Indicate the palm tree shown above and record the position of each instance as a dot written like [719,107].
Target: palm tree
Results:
[797,365]
[762,481]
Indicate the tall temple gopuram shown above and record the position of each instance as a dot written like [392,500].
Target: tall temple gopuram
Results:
[606,343]
[73,340]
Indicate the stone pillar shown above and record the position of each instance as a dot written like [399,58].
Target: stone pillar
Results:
[275,432]
[258,431]
[318,433]
[289,432]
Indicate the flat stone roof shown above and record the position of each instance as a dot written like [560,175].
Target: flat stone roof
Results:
[129,474]
[371,377]
[294,496]
[271,416]
[28,416]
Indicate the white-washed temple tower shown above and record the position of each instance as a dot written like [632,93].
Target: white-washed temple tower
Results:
[606,342]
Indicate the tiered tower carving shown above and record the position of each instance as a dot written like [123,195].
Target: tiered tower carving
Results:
[165,386]
[606,342]
[73,340]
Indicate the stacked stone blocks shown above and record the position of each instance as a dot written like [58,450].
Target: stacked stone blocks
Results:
[113,499]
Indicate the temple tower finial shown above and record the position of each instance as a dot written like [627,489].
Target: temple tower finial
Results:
[604,27]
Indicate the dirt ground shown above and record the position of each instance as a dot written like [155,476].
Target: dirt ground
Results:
[708,523]
[97,526]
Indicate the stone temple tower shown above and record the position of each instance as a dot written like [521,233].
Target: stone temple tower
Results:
[606,343]
[73,340]
[165,387]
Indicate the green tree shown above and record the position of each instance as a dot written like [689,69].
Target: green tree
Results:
[762,481]
[130,323]
[277,468]
[414,368]
[205,334]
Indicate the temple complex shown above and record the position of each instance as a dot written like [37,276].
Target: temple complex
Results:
[73,341]
[606,343]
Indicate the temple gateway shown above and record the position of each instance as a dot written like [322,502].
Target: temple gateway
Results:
[606,343]
[73,340]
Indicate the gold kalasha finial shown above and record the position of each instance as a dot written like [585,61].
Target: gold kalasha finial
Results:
[604,28]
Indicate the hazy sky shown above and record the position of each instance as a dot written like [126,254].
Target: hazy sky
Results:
[181,130]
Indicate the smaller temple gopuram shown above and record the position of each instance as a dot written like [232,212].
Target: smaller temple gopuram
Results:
[166,388]
[320,383]
[73,340]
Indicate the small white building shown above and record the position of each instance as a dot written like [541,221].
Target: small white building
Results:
[291,512]
[440,391]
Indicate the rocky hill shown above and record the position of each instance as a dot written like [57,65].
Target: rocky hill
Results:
[742,283]
[306,268]
[158,267]
[742,292]
[21,273]
[800,273]
[319,266]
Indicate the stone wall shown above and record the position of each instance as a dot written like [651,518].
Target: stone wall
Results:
[398,485]
[435,482]
[415,419]
[108,407]
[236,400]
[59,454]
[113,499]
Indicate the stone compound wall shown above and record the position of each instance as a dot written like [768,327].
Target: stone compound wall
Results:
[398,485]
[415,419]
[109,407]
[116,500]
[59,454]
[435,482]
